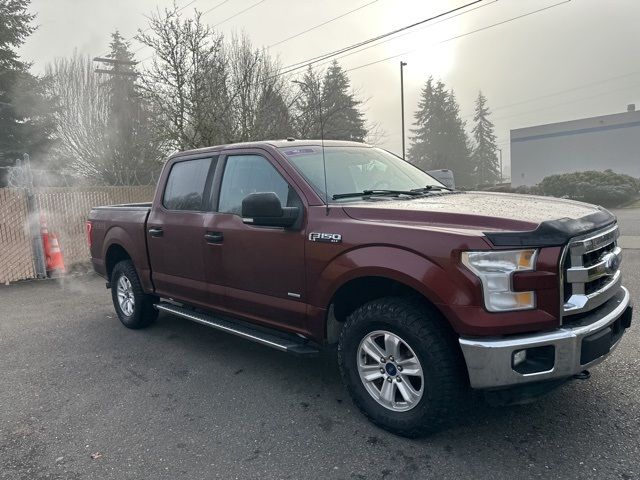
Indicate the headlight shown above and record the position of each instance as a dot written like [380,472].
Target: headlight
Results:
[494,269]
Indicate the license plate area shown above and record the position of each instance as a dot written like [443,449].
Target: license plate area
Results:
[598,344]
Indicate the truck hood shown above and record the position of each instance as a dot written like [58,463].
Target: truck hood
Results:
[496,214]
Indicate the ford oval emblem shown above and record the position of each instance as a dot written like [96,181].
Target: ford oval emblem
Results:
[611,263]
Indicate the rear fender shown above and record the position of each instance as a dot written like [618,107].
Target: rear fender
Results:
[116,235]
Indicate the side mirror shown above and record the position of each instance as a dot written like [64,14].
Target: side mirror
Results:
[264,209]
[444,176]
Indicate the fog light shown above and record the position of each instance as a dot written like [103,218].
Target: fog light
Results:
[519,357]
[534,360]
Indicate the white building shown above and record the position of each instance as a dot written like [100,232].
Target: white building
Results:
[597,143]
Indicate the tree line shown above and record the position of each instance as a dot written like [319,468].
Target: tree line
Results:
[200,88]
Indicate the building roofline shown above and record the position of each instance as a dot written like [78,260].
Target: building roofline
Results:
[582,125]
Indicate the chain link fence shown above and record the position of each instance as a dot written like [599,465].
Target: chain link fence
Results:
[65,209]
[16,252]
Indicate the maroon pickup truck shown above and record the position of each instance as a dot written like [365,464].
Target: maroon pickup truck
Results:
[426,291]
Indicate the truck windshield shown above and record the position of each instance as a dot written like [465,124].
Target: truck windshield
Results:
[363,169]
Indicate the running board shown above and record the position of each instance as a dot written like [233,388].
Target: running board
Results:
[274,339]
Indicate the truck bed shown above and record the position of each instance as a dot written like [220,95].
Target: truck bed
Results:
[123,225]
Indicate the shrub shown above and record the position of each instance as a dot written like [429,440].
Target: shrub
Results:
[523,189]
[607,188]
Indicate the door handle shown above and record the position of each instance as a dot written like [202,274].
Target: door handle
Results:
[213,237]
[156,232]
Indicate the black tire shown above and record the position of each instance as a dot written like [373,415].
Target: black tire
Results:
[432,341]
[143,313]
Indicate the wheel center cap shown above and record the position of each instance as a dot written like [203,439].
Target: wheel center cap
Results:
[391,369]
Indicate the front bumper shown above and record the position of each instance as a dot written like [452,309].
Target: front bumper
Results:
[566,351]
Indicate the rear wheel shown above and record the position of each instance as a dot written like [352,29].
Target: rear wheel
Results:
[402,366]
[133,306]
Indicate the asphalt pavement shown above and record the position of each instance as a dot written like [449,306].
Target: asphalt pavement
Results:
[82,397]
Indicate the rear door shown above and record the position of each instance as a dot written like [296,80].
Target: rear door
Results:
[175,231]
[261,268]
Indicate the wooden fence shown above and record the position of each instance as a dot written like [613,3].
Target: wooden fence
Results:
[65,210]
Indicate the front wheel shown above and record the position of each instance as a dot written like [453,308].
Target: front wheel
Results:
[133,306]
[402,366]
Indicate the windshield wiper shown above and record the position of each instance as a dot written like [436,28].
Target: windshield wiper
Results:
[368,193]
[415,192]
[430,188]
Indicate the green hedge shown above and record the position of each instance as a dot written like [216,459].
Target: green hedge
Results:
[607,188]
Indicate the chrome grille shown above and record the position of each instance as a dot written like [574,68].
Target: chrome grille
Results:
[591,270]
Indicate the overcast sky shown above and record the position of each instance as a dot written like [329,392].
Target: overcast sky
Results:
[574,60]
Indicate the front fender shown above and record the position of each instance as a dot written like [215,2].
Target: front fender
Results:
[427,277]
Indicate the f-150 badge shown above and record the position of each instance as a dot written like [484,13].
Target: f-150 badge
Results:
[325,237]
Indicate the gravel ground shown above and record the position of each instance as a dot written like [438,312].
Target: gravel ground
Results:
[179,400]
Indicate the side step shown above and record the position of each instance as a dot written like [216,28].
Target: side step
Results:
[271,338]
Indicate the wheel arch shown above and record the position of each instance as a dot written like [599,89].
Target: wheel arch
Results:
[115,253]
[363,289]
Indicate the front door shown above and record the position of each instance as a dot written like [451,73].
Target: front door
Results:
[175,231]
[262,269]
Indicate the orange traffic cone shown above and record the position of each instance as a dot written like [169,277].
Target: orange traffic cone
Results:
[52,251]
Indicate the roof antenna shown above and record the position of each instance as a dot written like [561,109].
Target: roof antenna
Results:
[324,161]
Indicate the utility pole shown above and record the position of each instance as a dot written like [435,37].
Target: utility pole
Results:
[402,64]
[501,177]
[117,64]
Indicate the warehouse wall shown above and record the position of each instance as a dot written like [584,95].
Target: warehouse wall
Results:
[598,143]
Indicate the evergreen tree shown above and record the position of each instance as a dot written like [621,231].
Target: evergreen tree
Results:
[273,119]
[484,156]
[25,110]
[340,109]
[439,139]
[308,105]
[131,152]
[124,105]
[328,102]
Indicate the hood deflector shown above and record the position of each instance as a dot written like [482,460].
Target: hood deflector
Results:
[552,233]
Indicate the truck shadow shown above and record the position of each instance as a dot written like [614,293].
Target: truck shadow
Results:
[322,373]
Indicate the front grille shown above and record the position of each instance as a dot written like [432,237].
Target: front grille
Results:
[591,271]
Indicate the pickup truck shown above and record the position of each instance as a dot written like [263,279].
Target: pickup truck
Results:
[427,293]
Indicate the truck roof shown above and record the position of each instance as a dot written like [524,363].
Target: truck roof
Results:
[290,142]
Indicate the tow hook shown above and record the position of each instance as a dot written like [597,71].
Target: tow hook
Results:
[583,375]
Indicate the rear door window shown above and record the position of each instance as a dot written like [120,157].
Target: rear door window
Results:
[186,184]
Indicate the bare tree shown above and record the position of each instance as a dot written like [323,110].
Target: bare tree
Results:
[186,84]
[205,90]
[260,100]
[102,125]
[81,116]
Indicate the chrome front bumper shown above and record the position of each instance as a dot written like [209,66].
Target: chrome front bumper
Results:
[490,361]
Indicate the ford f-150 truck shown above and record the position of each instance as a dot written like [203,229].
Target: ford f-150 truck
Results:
[427,292]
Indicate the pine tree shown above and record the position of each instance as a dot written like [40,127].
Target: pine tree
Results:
[329,103]
[439,139]
[25,109]
[273,119]
[308,105]
[341,115]
[484,158]
[132,155]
